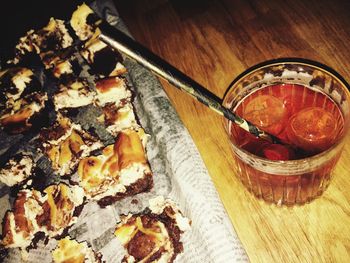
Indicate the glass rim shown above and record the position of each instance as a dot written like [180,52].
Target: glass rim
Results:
[281,61]
[288,60]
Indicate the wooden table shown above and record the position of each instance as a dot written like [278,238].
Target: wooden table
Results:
[214,41]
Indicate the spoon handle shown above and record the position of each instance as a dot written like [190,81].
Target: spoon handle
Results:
[120,41]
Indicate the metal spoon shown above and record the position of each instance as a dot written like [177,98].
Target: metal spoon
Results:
[120,41]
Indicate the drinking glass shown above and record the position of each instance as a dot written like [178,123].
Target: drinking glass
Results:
[289,182]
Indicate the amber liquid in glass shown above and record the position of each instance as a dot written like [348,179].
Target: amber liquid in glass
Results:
[306,119]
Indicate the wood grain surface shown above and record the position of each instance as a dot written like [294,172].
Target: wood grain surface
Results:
[213,42]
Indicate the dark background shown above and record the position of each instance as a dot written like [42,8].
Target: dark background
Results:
[17,17]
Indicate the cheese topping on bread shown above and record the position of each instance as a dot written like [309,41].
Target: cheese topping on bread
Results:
[66,144]
[15,83]
[120,165]
[112,90]
[16,170]
[117,118]
[71,251]
[75,93]
[154,235]
[18,116]
[79,21]
[50,212]
[53,37]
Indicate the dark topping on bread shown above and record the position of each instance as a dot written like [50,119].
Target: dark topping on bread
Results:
[21,115]
[141,245]
[154,234]
[50,212]
[140,186]
[105,61]
[16,83]
[84,22]
[66,143]
[17,169]
[53,37]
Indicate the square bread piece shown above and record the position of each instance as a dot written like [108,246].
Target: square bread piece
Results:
[66,143]
[112,90]
[153,235]
[50,212]
[71,251]
[73,93]
[21,99]
[54,36]
[65,68]
[118,118]
[17,169]
[62,63]
[51,58]
[84,22]
[17,82]
[103,60]
[23,113]
[121,170]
